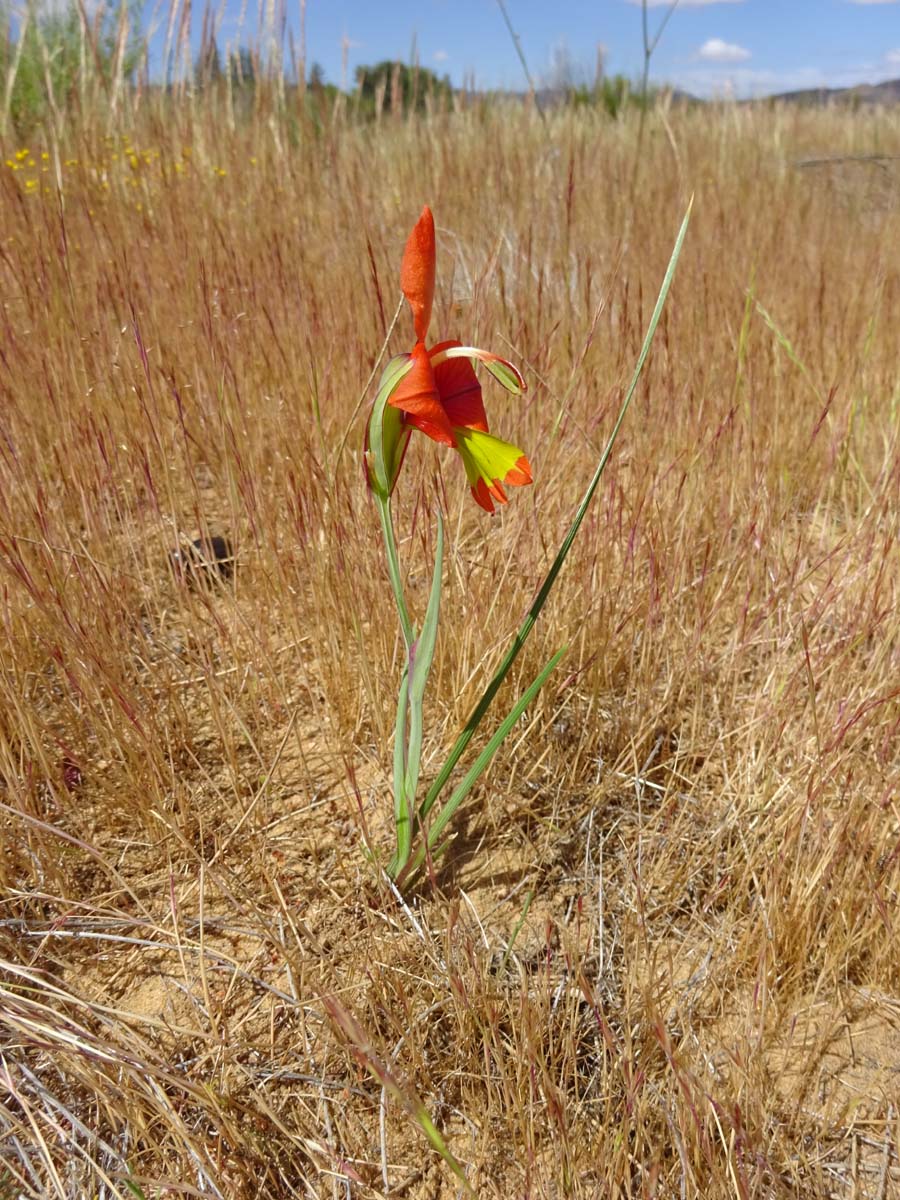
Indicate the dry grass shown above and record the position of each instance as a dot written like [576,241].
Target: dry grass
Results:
[699,822]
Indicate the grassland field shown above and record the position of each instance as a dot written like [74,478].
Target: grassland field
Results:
[660,958]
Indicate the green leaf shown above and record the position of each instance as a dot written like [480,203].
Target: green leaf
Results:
[421,656]
[540,600]
[481,762]
[383,504]
[402,810]
[386,433]
[785,343]
[361,1042]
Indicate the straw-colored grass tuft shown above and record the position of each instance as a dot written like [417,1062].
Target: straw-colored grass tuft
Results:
[660,958]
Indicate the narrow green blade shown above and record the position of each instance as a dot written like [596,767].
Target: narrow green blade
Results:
[421,656]
[528,624]
[401,809]
[481,762]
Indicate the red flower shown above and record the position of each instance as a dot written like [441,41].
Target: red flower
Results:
[439,394]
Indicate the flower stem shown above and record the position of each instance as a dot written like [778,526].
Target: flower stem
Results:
[393,562]
[404,804]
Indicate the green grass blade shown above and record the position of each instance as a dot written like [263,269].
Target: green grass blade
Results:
[481,762]
[421,656]
[785,343]
[383,504]
[408,1099]
[515,933]
[401,808]
[528,624]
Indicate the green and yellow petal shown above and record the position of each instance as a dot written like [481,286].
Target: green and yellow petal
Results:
[490,463]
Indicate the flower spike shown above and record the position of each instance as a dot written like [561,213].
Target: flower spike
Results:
[438,393]
[417,272]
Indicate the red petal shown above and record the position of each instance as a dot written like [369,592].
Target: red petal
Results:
[459,390]
[520,474]
[417,395]
[483,496]
[417,272]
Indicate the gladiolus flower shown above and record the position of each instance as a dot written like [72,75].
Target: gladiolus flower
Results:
[438,392]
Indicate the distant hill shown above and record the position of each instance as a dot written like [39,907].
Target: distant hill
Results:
[867,94]
[863,93]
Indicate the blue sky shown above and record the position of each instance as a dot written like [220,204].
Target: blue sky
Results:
[750,47]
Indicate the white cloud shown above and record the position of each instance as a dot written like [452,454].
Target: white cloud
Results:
[747,82]
[717,51]
[892,58]
[441,56]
